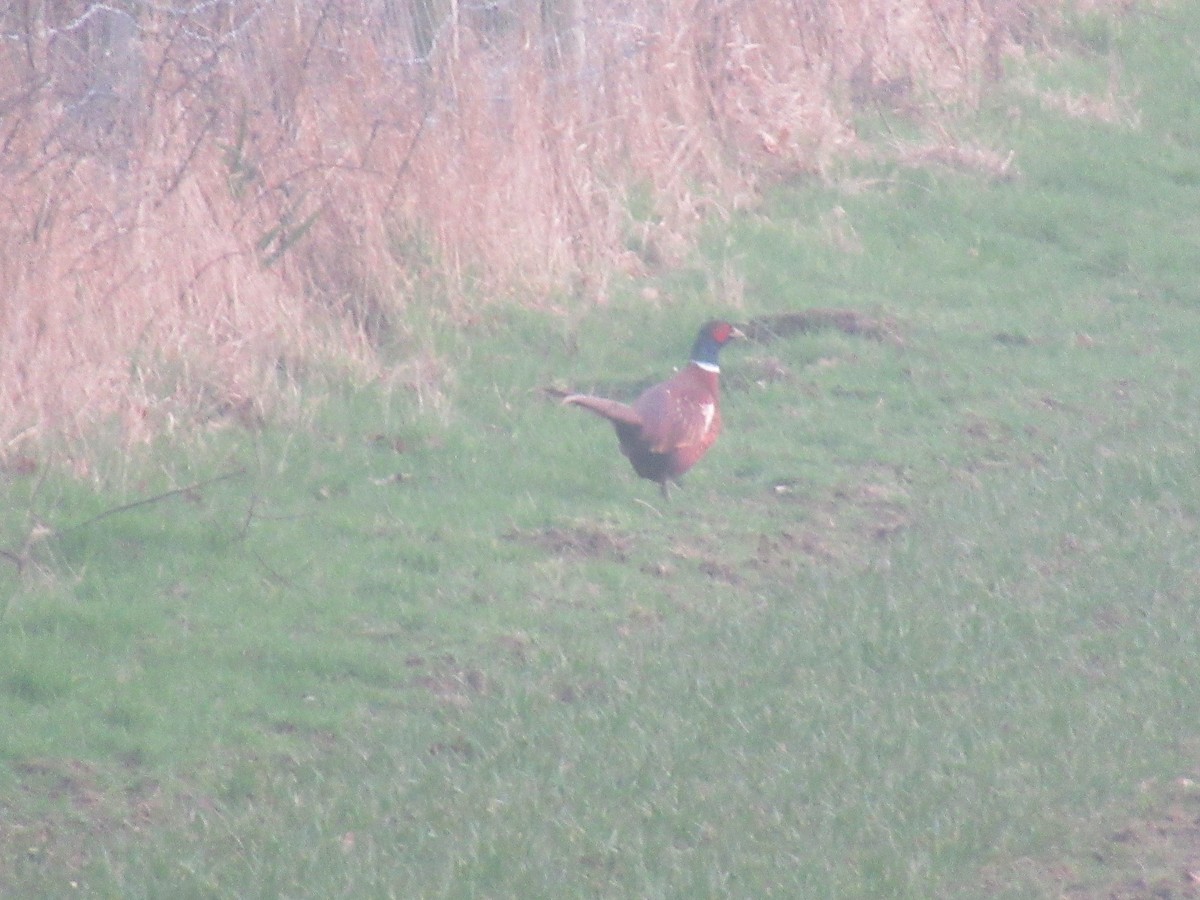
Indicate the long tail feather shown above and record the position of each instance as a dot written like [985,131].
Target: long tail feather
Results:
[612,410]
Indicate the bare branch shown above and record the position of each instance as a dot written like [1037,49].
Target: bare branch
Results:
[157,498]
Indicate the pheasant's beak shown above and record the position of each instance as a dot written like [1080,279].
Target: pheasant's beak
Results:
[736,334]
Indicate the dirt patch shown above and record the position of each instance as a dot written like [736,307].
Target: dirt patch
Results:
[585,691]
[1151,856]
[1156,856]
[449,682]
[460,749]
[82,804]
[842,526]
[838,526]
[882,507]
[765,329]
[719,571]
[788,549]
[582,541]
[60,779]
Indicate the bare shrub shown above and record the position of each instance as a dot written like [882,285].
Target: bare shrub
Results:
[205,200]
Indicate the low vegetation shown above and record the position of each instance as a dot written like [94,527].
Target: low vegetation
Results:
[207,205]
[922,624]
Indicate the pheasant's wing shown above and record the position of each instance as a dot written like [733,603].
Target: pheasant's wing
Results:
[616,412]
[673,419]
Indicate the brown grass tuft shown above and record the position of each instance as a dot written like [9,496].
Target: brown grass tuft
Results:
[206,201]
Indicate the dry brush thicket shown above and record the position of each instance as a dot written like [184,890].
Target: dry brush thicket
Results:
[203,199]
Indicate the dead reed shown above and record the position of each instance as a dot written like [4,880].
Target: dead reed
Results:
[203,202]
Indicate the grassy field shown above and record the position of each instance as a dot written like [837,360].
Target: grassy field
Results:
[924,622]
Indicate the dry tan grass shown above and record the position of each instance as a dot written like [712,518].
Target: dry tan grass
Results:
[202,202]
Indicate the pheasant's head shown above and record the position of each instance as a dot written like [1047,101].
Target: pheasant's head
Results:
[712,337]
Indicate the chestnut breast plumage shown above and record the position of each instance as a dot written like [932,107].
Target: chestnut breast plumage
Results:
[667,429]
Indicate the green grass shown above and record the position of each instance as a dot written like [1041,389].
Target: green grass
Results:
[922,624]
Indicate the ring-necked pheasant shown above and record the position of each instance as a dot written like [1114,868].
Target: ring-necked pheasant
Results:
[672,424]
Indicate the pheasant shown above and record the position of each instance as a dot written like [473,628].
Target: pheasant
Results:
[672,424]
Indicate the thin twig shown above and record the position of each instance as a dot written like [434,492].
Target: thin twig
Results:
[146,501]
[270,570]
[246,522]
